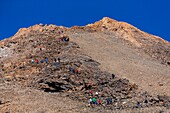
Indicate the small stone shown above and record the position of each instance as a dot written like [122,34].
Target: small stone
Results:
[156,99]
[160,84]
[124,102]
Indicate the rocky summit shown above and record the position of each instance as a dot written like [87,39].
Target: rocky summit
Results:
[108,66]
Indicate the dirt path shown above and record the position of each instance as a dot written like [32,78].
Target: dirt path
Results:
[116,57]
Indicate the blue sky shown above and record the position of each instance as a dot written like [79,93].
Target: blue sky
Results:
[152,16]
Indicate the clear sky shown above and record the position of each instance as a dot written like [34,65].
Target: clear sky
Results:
[152,16]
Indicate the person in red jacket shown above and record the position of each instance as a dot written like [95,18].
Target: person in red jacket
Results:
[91,92]
[76,71]
[99,101]
[36,61]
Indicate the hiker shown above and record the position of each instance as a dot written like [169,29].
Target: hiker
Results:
[138,105]
[94,100]
[76,71]
[113,76]
[56,64]
[71,70]
[97,94]
[65,39]
[42,61]
[59,59]
[55,60]
[109,101]
[46,59]
[60,39]
[36,61]
[32,61]
[99,102]
[91,92]
[90,101]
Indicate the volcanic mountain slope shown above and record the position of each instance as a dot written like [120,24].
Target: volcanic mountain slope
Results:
[63,72]
[128,52]
[153,45]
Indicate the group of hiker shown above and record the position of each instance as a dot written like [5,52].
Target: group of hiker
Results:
[94,97]
[60,32]
[95,100]
[74,71]
[56,62]
[39,61]
[64,38]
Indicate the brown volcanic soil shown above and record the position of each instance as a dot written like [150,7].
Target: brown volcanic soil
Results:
[117,57]
[125,50]
[139,61]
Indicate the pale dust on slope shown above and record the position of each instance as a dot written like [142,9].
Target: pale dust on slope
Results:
[19,100]
[116,57]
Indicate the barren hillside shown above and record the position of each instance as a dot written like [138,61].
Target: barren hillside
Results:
[51,69]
